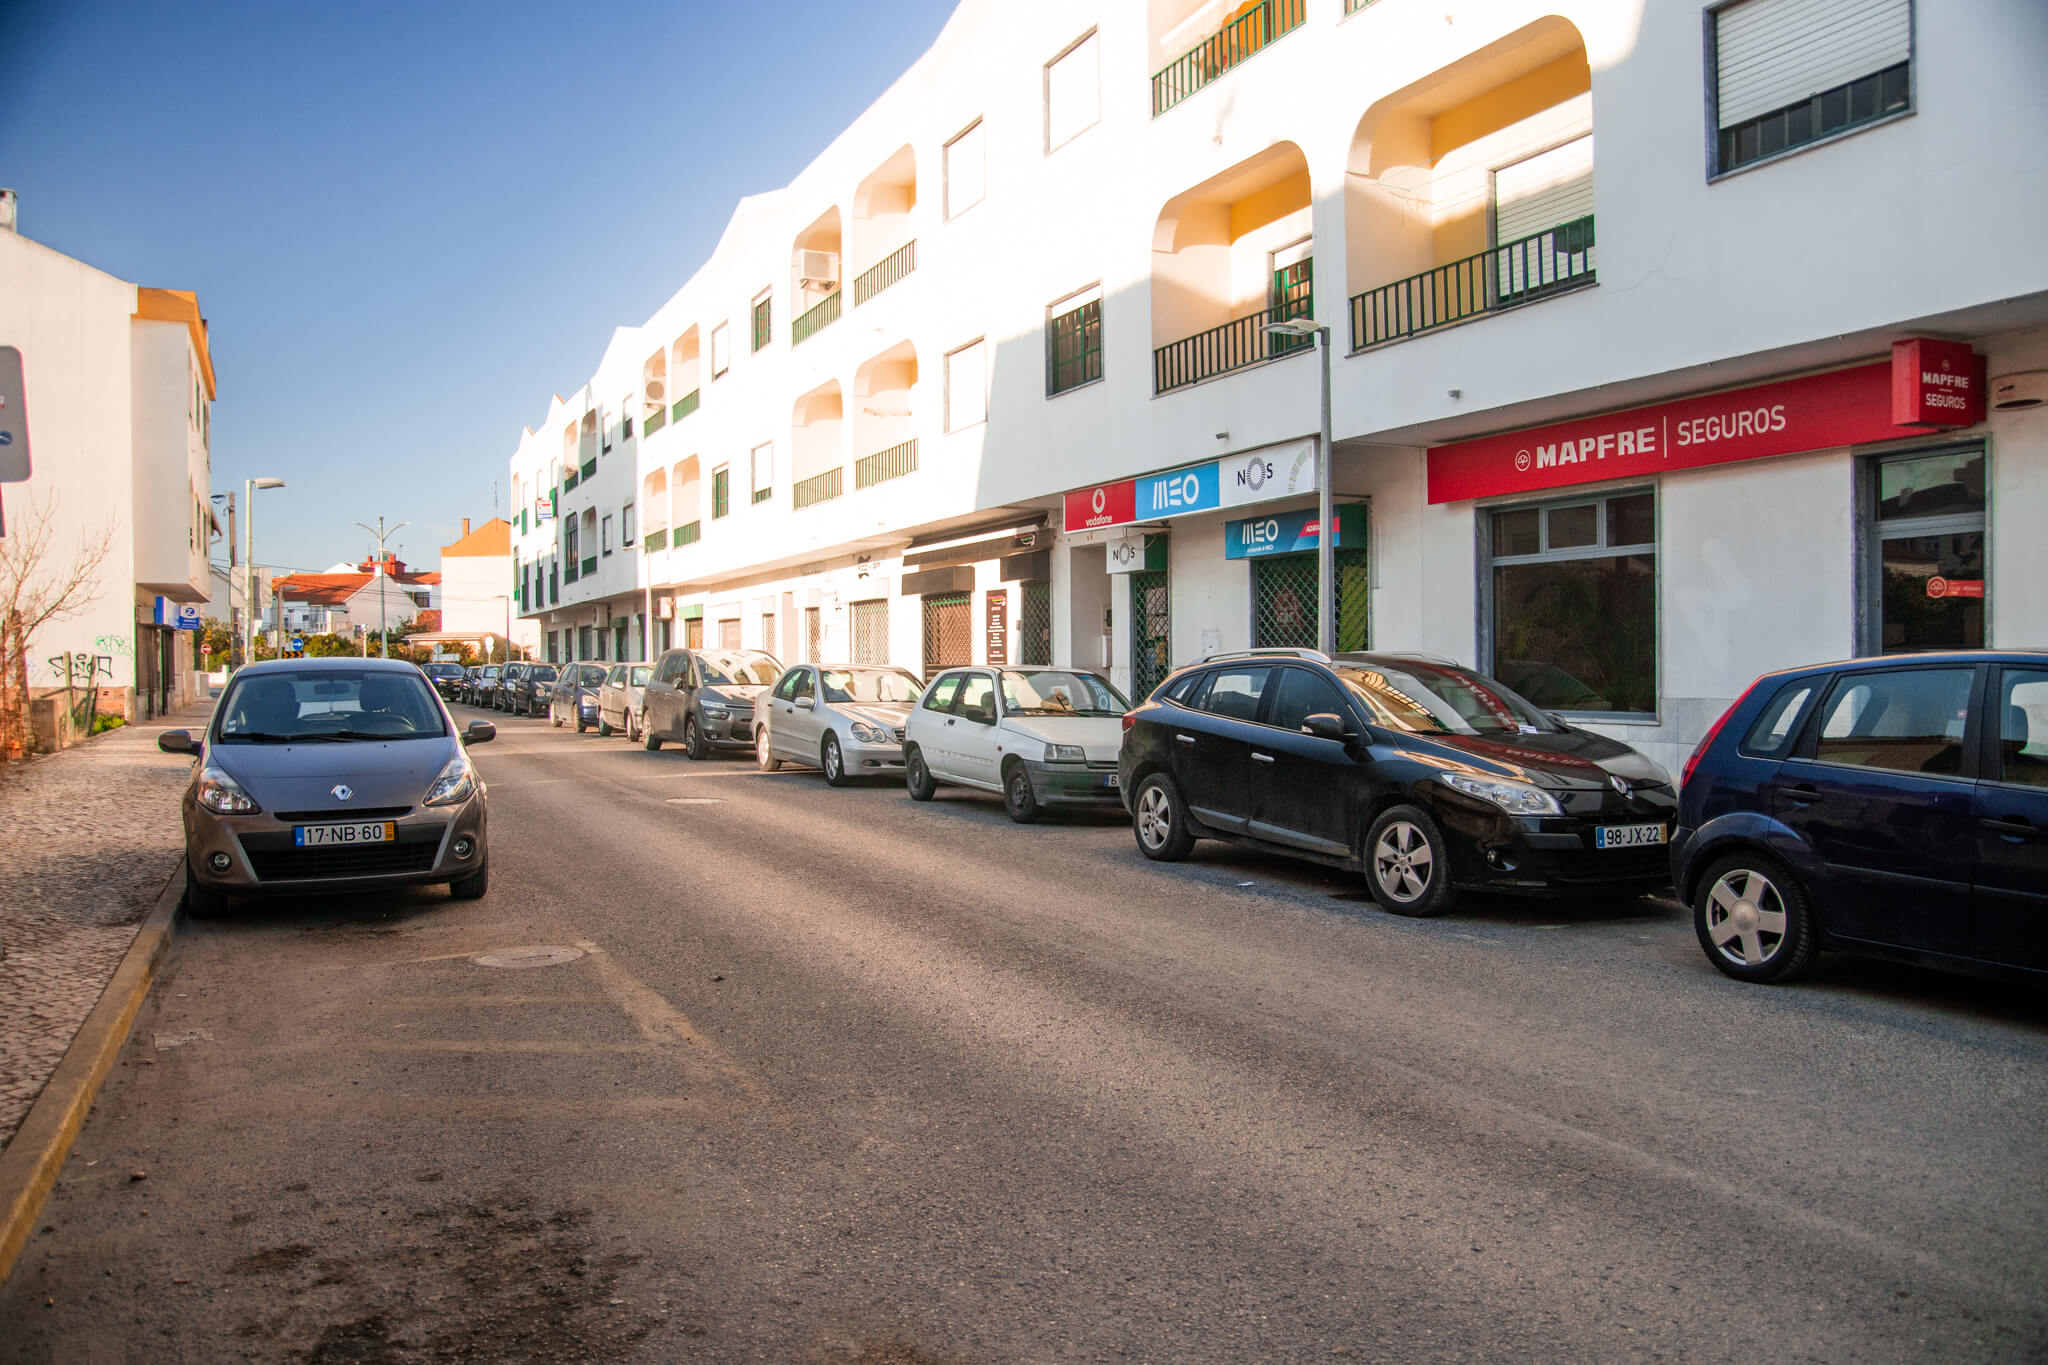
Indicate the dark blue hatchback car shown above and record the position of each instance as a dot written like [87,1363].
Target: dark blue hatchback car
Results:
[1893,806]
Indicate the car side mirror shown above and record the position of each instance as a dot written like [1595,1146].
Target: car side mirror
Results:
[1324,725]
[479,732]
[807,703]
[176,742]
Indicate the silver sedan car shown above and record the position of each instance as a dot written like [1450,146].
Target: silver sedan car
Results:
[619,704]
[331,775]
[845,718]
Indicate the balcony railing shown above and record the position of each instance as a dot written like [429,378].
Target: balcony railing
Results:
[1539,267]
[684,406]
[894,267]
[590,469]
[653,422]
[569,574]
[884,465]
[816,489]
[570,480]
[1353,6]
[687,533]
[1236,344]
[653,541]
[590,566]
[815,319]
[1229,45]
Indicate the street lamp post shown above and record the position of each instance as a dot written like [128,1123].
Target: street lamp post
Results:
[1326,540]
[249,599]
[383,624]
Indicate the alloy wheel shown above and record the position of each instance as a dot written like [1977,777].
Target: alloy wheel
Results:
[1402,862]
[1746,917]
[1155,817]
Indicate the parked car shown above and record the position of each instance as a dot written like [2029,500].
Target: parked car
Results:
[502,689]
[447,679]
[846,718]
[705,698]
[331,775]
[1040,736]
[528,693]
[573,697]
[1895,807]
[618,701]
[1427,777]
[483,685]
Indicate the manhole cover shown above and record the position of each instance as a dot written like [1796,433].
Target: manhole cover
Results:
[528,957]
[695,800]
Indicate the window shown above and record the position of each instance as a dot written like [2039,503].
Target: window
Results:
[1235,692]
[1924,579]
[604,533]
[569,540]
[721,491]
[768,631]
[763,323]
[1777,724]
[1073,341]
[977,699]
[966,386]
[2023,727]
[870,620]
[1792,72]
[1907,720]
[966,171]
[721,350]
[626,527]
[940,696]
[729,633]
[586,643]
[1073,93]
[761,465]
[1303,694]
[814,636]
[1549,192]
[1573,611]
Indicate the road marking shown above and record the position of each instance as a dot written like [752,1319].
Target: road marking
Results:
[544,1045]
[662,1023]
[434,1002]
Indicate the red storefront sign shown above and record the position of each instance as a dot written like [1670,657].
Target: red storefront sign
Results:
[1936,383]
[1815,412]
[1108,504]
[1955,587]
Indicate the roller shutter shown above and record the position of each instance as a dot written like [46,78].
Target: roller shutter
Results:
[1773,53]
[1543,191]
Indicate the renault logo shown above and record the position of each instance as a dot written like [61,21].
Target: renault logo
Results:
[1619,784]
[342,792]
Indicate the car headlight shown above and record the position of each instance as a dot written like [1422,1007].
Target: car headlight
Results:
[1516,798]
[1065,753]
[456,784]
[223,795]
[718,711]
[870,734]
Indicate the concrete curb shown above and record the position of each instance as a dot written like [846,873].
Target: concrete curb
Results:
[33,1159]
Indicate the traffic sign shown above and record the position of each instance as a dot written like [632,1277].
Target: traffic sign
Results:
[13,419]
[298,642]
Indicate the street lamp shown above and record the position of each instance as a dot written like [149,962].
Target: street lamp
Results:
[249,556]
[1326,540]
[383,626]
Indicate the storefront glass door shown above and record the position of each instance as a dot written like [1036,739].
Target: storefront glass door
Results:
[1925,584]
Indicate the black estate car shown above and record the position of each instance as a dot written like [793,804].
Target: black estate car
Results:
[447,679]
[529,693]
[1425,776]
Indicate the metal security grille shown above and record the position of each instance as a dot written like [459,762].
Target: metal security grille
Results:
[814,634]
[1151,649]
[729,633]
[948,631]
[1284,601]
[871,631]
[1034,625]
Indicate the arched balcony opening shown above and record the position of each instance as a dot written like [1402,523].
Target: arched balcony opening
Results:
[686,502]
[883,246]
[885,420]
[1230,256]
[683,375]
[570,462]
[814,264]
[1472,189]
[654,393]
[586,444]
[1194,42]
[817,447]
[588,540]
[654,511]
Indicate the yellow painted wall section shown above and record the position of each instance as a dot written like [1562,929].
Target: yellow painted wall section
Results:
[179,305]
[1263,206]
[1509,103]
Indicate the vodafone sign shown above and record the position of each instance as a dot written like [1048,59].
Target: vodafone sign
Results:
[1816,412]
[1106,504]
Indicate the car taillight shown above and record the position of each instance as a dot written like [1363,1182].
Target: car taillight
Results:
[1130,719]
[1707,742]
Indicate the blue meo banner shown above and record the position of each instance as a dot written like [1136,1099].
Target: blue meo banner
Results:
[180,615]
[1286,533]
[1198,488]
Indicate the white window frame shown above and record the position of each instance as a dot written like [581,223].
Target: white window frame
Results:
[1053,142]
[954,421]
[760,460]
[626,527]
[604,534]
[721,349]
[955,204]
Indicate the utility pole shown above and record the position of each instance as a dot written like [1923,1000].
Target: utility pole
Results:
[383,616]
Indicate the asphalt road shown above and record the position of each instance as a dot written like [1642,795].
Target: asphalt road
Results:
[842,1078]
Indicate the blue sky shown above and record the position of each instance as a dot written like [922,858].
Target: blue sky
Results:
[408,224]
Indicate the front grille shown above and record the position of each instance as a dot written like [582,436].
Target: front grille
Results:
[349,860]
[1619,864]
[341,815]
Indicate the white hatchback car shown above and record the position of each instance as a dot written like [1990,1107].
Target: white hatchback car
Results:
[1040,736]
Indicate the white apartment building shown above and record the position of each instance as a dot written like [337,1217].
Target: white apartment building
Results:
[119,388]
[1660,340]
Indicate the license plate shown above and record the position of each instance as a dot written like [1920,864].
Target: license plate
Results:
[1110,781]
[1629,836]
[320,836]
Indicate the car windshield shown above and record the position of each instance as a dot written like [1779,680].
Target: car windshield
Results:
[869,684]
[330,704]
[541,674]
[742,668]
[641,673]
[1432,699]
[1056,692]
[444,670]
[590,675]
[490,672]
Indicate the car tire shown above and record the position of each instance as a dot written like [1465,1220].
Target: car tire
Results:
[653,741]
[554,716]
[1018,799]
[471,887]
[581,724]
[1407,864]
[1739,901]
[203,901]
[693,738]
[764,752]
[1159,821]
[832,759]
[632,728]
[916,777]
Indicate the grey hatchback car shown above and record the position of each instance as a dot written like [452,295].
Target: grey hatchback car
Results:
[706,698]
[331,775]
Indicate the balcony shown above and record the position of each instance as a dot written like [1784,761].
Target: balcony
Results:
[884,465]
[894,267]
[815,319]
[684,406]
[590,468]
[688,533]
[1248,33]
[590,566]
[1233,346]
[655,541]
[653,422]
[569,574]
[816,489]
[570,480]
[1529,270]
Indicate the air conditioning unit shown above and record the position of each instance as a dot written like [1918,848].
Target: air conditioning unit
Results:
[817,267]
[654,390]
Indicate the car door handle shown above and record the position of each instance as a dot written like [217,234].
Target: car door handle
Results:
[1802,795]
[951,719]
[1262,758]
[2012,829]
[1183,739]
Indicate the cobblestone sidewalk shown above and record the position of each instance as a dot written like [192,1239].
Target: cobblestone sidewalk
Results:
[88,838]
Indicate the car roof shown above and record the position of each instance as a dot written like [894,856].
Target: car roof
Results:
[349,663]
[2036,657]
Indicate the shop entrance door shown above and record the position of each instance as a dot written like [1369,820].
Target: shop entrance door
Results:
[693,633]
[1284,602]
[1925,581]
[1151,647]
[948,630]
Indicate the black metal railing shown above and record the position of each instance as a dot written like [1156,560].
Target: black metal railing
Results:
[1236,344]
[1538,267]
[653,422]
[655,540]
[892,268]
[884,465]
[815,319]
[1229,45]
[684,406]
[816,489]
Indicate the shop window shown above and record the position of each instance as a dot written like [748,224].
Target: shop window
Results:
[948,630]
[1924,580]
[1571,611]
[1792,72]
